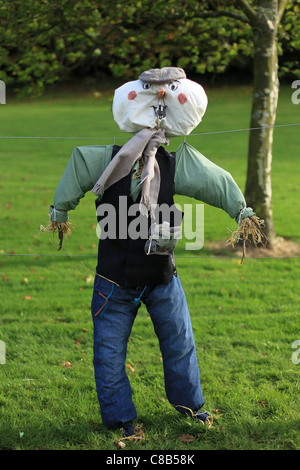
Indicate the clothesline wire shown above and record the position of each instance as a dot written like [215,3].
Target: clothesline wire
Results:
[185,257]
[124,138]
[120,138]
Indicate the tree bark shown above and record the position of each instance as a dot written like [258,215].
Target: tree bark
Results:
[258,191]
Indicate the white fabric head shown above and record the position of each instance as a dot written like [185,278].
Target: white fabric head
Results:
[176,106]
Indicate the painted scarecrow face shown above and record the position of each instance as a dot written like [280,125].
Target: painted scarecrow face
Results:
[160,98]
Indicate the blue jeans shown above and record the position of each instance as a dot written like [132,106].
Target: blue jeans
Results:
[114,309]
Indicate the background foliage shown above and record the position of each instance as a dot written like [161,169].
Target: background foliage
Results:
[46,41]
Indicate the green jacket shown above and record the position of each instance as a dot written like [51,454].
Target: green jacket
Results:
[195,176]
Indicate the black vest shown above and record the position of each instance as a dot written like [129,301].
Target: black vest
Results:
[120,258]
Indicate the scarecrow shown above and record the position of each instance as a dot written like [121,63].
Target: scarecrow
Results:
[160,105]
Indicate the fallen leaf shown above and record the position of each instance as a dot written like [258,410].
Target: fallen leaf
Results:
[263,404]
[66,364]
[130,367]
[5,278]
[27,297]
[77,341]
[84,329]
[186,438]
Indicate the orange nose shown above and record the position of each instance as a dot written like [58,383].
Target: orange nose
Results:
[161,93]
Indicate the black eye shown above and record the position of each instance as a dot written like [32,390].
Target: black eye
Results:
[146,86]
[173,85]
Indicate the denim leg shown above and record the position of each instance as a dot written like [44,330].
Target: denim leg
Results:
[113,317]
[169,312]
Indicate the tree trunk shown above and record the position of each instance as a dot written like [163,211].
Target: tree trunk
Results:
[258,192]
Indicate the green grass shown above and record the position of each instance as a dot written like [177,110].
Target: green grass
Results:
[245,317]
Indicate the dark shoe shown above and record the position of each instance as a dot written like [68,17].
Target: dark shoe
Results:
[128,429]
[202,416]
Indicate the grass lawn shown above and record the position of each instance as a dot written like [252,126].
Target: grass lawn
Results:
[245,317]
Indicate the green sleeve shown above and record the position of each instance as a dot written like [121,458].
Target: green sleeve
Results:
[199,178]
[85,166]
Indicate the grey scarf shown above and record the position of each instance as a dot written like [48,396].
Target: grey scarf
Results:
[144,143]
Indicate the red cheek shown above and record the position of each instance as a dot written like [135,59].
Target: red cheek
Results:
[132,95]
[182,98]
